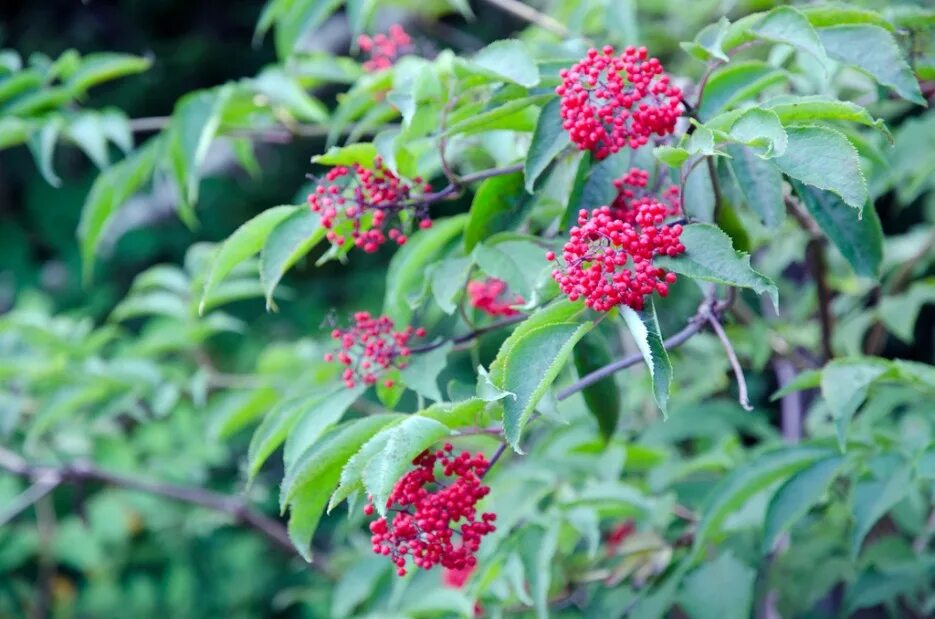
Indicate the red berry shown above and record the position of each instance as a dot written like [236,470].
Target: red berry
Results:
[434,522]
[369,347]
[491,297]
[608,257]
[372,200]
[610,102]
[384,49]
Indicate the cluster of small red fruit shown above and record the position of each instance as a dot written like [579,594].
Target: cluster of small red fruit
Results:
[369,203]
[370,346]
[492,297]
[384,49]
[608,258]
[428,515]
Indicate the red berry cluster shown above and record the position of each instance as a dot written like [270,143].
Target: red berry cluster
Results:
[632,194]
[366,204]
[384,49]
[490,296]
[427,513]
[608,258]
[610,102]
[371,346]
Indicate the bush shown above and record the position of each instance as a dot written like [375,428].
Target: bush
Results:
[567,325]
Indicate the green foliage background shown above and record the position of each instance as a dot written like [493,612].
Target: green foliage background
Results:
[105,359]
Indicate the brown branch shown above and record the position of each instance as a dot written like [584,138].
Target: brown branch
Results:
[79,472]
[817,264]
[467,337]
[531,15]
[696,323]
[280,133]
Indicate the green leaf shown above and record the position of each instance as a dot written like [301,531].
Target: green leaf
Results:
[317,412]
[761,130]
[42,144]
[576,192]
[707,43]
[603,397]
[111,189]
[530,359]
[514,115]
[450,416]
[497,205]
[730,578]
[872,499]
[13,131]
[548,140]
[11,86]
[824,158]
[363,153]
[844,386]
[785,24]
[737,82]
[194,126]
[518,262]
[796,496]
[698,200]
[295,18]
[290,240]
[672,156]
[833,14]
[510,60]
[421,372]
[538,545]
[245,242]
[326,456]
[406,272]
[744,482]
[448,280]
[284,90]
[760,183]
[793,110]
[104,67]
[808,379]
[533,364]
[710,256]
[874,51]
[644,326]
[87,132]
[406,440]
[859,239]
[559,312]
[899,312]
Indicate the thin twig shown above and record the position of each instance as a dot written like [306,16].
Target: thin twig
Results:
[695,324]
[742,397]
[78,472]
[494,458]
[527,13]
[280,133]
[817,264]
[467,337]
[28,497]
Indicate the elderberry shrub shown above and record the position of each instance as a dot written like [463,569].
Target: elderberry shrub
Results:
[434,521]
[492,297]
[370,346]
[369,205]
[610,102]
[384,49]
[608,259]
